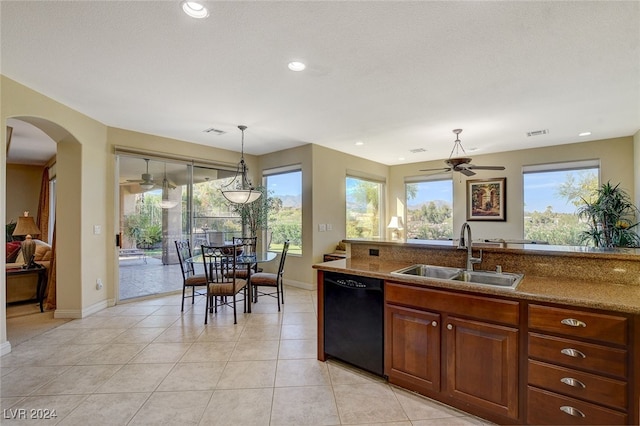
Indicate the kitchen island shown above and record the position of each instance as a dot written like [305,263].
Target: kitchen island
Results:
[496,352]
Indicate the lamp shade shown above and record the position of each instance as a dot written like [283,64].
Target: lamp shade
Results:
[242,196]
[395,223]
[26,226]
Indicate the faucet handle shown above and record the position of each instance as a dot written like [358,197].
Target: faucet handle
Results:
[499,269]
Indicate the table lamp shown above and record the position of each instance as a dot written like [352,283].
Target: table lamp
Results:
[26,226]
[395,224]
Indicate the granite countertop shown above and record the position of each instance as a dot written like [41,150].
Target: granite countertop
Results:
[574,292]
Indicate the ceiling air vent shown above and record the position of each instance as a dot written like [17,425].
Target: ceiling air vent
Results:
[213,130]
[538,132]
[417,150]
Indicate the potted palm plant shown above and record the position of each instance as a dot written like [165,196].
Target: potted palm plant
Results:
[611,217]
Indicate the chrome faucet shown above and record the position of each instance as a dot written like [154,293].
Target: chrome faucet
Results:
[465,243]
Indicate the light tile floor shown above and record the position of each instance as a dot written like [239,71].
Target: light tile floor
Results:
[145,362]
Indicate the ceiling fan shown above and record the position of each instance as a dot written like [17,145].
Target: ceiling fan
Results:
[461,164]
[166,184]
[147,179]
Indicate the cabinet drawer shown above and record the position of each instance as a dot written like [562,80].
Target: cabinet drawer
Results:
[581,355]
[490,309]
[581,324]
[591,387]
[548,408]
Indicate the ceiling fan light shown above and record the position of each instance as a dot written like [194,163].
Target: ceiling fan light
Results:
[167,204]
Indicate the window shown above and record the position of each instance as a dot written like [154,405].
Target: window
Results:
[284,191]
[552,194]
[364,207]
[430,209]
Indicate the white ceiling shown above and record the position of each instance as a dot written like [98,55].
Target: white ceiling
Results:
[397,76]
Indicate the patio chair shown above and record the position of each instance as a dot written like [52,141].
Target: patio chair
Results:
[222,283]
[266,279]
[189,277]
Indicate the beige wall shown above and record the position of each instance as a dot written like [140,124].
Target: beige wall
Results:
[23,190]
[79,141]
[616,165]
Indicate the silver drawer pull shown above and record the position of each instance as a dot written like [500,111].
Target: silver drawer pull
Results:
[573,382]
[572,322]
[449,327]
[434,323]
[573,353]
[572,411]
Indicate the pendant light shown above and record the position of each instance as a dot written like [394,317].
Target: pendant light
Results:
[241,191]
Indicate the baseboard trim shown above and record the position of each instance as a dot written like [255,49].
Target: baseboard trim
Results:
[300,284]
[5,348]
[83,313]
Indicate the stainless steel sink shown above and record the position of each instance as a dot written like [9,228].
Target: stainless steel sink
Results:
[498,279]
[430,271]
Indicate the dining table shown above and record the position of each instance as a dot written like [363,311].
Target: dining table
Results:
[248,261]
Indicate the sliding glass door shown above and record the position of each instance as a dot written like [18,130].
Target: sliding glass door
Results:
[161,201]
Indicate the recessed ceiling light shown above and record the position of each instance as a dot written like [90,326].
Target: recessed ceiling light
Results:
[195,9]
[359,143]
[296,66]
[584,134]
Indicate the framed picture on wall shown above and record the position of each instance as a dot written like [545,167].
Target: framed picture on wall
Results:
[486,199]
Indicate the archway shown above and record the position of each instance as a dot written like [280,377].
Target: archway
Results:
[68,213]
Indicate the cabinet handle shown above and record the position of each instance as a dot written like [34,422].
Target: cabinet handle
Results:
[572,322]
[572,411]
[434,323]
[573,353]
[573,382]
[449,327]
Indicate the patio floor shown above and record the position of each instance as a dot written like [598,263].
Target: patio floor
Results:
[139,279]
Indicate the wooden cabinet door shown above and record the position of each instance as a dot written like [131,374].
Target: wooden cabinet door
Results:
[412,357]
[482,364]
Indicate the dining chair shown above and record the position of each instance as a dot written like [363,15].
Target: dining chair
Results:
[223,285]
[266,279]
[248,245]
[189,277]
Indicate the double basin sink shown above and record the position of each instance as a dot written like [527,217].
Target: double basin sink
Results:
[496,279]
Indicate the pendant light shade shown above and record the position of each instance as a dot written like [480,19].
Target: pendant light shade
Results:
[239,189]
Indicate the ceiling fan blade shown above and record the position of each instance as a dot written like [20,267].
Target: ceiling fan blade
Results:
[441,169]
[465,171]
[135,180]
[486,167]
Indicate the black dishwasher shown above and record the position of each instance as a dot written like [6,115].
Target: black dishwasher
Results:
[353,320]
